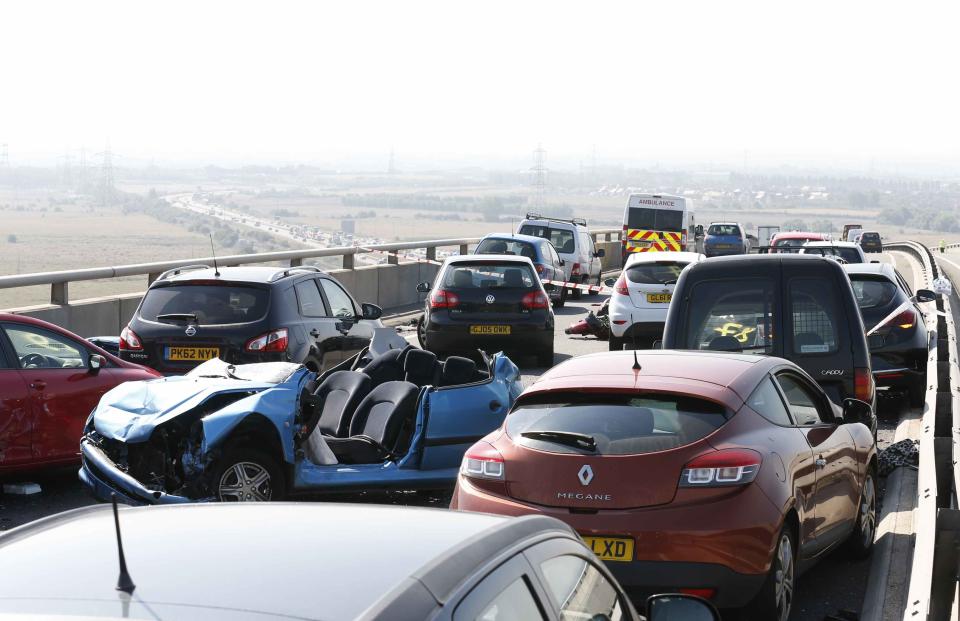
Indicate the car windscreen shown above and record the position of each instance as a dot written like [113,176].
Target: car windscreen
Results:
[205,304]
[875,295]
[488,275]
[655,219]
[562,239]
[612,424]
[870,237]
[496,245]
[723,229]
[730,314]
[659,273]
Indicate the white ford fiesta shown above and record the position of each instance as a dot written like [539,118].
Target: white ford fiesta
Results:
[641,297]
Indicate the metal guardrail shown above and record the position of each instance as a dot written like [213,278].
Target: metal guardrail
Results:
[60,280]
[932,588]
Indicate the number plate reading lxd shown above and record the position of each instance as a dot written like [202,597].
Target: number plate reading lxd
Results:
[489,329]
[659,298]
[188,354]
[611,548]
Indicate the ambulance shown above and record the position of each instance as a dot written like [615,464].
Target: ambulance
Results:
[658,223]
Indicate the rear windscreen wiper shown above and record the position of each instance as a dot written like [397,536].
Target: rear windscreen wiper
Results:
[568,438]
[177,317]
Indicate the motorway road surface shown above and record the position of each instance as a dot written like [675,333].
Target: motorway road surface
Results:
[833,585]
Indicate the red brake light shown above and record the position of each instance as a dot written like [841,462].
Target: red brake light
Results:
[534,300]
[575,270]
[621,285]
[441,298]
[704,593]
[483,461]
[722,468]
[273,341]
[129,341]
[540,268]
[863,386]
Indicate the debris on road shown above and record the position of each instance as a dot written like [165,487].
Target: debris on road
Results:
[902,453]
[21,489]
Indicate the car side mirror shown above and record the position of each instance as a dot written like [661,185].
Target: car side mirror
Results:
[424,287]
[370,311]
[562,262]
[680,607]
[925,295]
[609,282]
[857,411]
[95,363]
[600,253]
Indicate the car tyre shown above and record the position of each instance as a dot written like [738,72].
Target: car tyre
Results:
[577,293]
[615,343]
[563,299]
[775,598]
[545,359]
[861,539]
[422,332]
[249,475]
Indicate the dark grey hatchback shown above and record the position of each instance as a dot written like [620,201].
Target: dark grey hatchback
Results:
[323,561]
[246,314]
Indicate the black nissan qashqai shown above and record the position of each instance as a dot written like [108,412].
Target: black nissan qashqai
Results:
[246,314]
[491,302]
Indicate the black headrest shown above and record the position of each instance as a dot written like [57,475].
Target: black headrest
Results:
[458,370]
[498,247]
[420,366]
[643,417]
[725,343]
[513,277]
[463,278]
[388,366]
[529,252]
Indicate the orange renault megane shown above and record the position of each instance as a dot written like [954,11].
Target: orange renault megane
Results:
[721,475]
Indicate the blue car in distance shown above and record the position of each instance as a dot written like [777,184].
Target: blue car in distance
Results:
[392,417]
[540,251]
[725,238]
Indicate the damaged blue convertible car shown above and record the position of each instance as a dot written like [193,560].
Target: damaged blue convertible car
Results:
[398,419]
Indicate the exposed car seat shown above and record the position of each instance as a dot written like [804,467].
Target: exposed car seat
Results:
[341,393]
[458,370]
[463,279]
[725,343]
[388,366]
[421,367]
[381,427]
[498,247]
[513,278]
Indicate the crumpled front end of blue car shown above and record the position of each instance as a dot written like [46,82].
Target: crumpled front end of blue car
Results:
[153,442]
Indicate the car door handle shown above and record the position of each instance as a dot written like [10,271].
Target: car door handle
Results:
[495,405]
[820,462]
[341,327]
[38,385]
[315,333]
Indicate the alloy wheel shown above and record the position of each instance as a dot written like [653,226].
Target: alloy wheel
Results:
[784,577]
[245,482]
[868,511]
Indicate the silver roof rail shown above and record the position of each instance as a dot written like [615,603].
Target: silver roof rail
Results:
[178,270]
[577,221]
[292,270]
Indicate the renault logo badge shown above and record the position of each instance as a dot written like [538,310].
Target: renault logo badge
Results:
[191,330]
[491,299]
[585,474]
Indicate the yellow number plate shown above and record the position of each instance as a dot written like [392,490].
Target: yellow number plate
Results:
[198,354]
[611,548]
[489,329]
[659,298]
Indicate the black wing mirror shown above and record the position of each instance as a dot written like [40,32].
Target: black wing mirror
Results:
[95,363]
[600,253]
[562,262]
[925,295]
[371,311]
[857,411]
[610,282]
[680,607]
[424,287]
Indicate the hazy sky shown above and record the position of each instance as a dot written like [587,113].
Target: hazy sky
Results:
[641,80]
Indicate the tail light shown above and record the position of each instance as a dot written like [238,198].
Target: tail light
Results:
[705,593]
[863,386]
[442,298]
[683,239]
[534,300]
[904,321]
[273,341]
[722,468]
[540,269]
[483,461]
[129,341]
[575,270]
[621,285]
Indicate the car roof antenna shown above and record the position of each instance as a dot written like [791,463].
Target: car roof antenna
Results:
[124,582]
[216,270]
[636,362]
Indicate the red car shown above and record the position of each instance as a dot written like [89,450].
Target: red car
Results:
[50,381]
[720,475]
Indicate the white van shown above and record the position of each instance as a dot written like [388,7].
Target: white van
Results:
[658,223]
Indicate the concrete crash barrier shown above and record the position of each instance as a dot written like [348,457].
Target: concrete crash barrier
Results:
[391,286]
